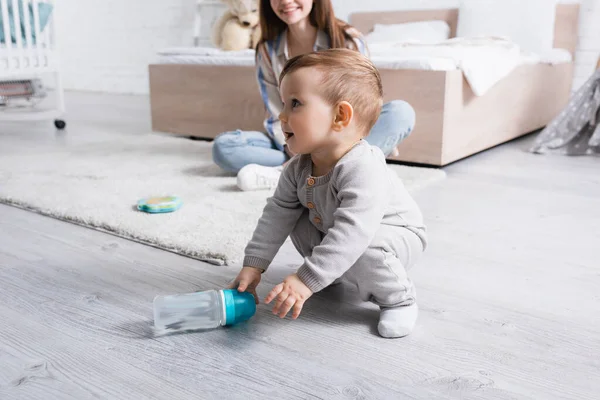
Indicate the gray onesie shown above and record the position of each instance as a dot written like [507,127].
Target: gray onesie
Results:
[358,221]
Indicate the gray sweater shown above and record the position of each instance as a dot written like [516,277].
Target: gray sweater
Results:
[348,205]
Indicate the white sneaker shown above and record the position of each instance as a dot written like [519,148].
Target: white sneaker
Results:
[257,177]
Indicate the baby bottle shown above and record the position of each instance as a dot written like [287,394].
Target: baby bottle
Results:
[202,310]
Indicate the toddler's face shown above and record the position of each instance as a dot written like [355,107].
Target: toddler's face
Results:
[307,119]
[292,11]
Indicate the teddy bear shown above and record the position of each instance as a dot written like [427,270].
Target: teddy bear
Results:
[238,28]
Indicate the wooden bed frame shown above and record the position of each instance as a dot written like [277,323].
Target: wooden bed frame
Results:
[452,123]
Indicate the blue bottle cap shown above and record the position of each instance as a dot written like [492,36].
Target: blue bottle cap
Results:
[238,306]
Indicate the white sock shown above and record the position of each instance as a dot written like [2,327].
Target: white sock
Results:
[397,322]
[258,177]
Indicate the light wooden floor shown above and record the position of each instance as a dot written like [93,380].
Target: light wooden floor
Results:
[508,290]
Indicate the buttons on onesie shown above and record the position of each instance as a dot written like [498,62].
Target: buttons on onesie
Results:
[310,181]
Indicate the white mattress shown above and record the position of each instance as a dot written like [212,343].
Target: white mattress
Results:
[205,56]
[552,57]
[213,56]
[484,61]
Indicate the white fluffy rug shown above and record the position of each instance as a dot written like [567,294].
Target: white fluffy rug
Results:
[97,183]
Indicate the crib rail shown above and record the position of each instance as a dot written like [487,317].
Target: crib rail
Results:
[26,45]
[29,62]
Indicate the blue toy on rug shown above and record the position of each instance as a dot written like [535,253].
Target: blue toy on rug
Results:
[155,205]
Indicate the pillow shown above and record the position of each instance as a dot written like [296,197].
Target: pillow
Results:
[426,32]
[529,24]
[44,11]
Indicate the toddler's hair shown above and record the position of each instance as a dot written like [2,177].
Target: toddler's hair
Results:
[347,76]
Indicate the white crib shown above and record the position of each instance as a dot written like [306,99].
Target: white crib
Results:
[28,53]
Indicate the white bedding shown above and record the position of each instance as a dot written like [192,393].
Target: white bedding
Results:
[484,61]
[205,56]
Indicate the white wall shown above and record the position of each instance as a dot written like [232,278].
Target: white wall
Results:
[106,45]
[589,41]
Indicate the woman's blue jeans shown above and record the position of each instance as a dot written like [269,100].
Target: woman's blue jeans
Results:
[234,150]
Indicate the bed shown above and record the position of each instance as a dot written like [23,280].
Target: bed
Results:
[201,92]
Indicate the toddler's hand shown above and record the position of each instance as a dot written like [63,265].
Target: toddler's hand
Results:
[291,293]
[247,279]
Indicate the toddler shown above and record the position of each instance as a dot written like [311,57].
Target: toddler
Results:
[347,213]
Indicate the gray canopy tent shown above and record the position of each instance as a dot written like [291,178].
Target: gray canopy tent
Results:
[576,130]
